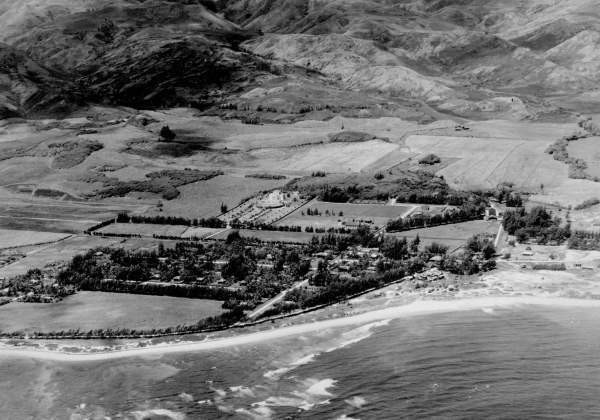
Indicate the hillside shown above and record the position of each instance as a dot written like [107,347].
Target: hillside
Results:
[516,58]
[26,86]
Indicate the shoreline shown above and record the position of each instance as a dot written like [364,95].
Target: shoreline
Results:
[416,308]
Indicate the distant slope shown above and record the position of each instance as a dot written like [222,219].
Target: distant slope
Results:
[27,87]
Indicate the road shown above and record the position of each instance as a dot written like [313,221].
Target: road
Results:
[267,305]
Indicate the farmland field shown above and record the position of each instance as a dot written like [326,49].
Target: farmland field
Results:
[453,235]
[93,310]
[329,157]
[203,199]
[59,252]
[52,215]
[18,238]
[199,232]
[486,162]
[271,236]
[588,150]
[144,229]
[379,214]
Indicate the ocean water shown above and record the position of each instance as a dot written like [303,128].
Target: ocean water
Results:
[502,363]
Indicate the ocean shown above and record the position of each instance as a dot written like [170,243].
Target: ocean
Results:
[525,361]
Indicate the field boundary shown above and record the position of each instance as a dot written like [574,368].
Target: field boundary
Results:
[69,236]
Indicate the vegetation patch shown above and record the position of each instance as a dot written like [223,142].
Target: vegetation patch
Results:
[350,137]
[577,166]
[537,224]
[266,176]
[153,149]
[72,153]
[585,241]
[163,182]
[405,186]
[587,204]
[430,159]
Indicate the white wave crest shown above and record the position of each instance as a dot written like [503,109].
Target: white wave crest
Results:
[163,412]
[356,402]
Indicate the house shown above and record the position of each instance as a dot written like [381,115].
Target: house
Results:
[436,260]
[492,213]
[219,264]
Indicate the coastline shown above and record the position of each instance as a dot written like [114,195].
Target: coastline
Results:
[416,308]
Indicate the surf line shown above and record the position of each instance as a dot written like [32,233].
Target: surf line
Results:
[421,307]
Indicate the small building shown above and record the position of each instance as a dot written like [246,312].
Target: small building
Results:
[492,213]
[219,264]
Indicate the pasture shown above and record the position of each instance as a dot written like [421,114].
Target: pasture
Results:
[329,157]
[485,162]
[144,229]
[200,232]
[45,215]
[453,236]
[10,238]
[334,214]
[270,236]
[589,150]
[94,310]
[203,199]
[62,251]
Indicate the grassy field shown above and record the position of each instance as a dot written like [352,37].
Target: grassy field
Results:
[199,232]
[377,213]
[59,252]
[570,193]
[271,236]
[486,162]
[203,199]
[92,310]
[330,157]
[17,238]
[588,150]
[451,235]
[46,215]
[144,229]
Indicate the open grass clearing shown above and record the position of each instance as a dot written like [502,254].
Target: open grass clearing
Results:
[589,150]
[203,199]
[10,238]
[487,162]
[62,251]
[144,229]
[453,235]
[200,232]
[330,157]
[93,310]
[271,236]
[333,214]
[571,192]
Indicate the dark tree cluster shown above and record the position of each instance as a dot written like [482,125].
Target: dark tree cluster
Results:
[211,222]
[586,241]
[465,213]
[537,224]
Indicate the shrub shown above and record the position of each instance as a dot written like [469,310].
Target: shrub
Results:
[430,159]
[167,134]
[587,204]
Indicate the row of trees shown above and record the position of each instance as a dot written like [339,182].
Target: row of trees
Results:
[211,222]
[465,213]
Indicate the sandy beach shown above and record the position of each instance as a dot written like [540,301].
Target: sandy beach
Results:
[421,307]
